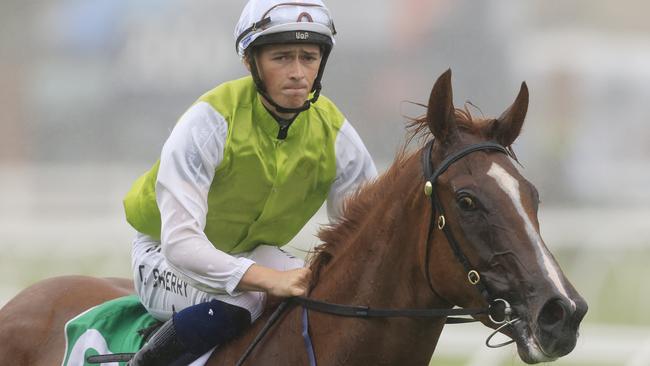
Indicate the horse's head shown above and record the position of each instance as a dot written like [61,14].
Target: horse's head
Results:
[491,213]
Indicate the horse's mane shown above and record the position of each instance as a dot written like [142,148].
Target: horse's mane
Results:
[359,203]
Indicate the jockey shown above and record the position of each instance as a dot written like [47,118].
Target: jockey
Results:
[245,167]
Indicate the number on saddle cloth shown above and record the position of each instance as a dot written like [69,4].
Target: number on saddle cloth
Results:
[112,327]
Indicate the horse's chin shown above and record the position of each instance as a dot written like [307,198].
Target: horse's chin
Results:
[528,347]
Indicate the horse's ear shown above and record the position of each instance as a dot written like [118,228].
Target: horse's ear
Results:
[508,126]
[440,112]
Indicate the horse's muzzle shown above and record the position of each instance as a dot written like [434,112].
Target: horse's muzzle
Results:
[557,325]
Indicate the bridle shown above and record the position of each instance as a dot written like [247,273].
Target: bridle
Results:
[473,276]
[431,176]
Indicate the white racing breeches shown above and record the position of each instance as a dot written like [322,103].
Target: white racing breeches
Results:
[163,291]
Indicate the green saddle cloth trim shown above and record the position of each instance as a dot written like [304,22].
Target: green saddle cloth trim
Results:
[111,327]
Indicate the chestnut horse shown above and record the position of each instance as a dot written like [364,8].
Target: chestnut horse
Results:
[396,248]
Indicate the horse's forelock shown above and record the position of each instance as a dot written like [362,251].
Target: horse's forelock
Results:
[480,127]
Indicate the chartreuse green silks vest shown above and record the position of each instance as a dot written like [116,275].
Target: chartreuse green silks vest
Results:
[266,188]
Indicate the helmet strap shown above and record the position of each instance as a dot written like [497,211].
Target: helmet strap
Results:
[261,88]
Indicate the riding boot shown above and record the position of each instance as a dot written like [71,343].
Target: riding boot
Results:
[163,349]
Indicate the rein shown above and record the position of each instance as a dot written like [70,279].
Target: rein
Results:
[353,311]
[473,275]
[366,312]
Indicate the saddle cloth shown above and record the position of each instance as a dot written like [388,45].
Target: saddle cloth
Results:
[111,327]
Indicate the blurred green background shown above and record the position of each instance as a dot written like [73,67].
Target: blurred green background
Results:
[90,89]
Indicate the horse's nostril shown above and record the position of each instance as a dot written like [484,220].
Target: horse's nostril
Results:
[552,313]
[558,322]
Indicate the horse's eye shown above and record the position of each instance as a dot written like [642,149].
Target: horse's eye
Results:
[466,203]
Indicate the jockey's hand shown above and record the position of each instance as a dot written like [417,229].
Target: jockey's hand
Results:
[276,283]
[290,283]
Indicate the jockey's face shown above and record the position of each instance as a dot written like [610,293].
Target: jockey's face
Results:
[288,72]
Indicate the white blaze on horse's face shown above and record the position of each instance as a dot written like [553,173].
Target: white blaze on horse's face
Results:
[511,187]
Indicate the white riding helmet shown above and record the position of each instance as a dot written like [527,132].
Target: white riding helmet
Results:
[275,22]
[264,17]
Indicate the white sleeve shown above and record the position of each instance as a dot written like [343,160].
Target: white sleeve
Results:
[187,166]
[354,166]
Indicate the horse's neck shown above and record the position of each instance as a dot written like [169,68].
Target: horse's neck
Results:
[382,267]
